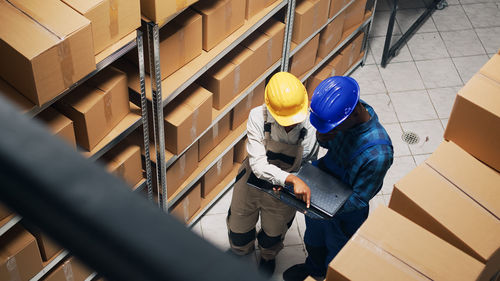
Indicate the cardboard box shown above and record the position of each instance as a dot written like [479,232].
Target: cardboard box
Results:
[336,6]
[228,77]
[217,173]
[354,14]
[49,44]
[492,68]
[330,36]
[474,178]
[261,46]
[182,168]
[474,122]
[220,19]
[48,248]
[253,7]
[189,205]
[4,212]
[245,60]
[313,82]
[124,161]
[19,256]
[111,20]
[97,106]
[351,52]
[390,247]
[213,137]
[276,31]
[69,270]
[15,97]
[159,10]
[240,151]
[187,117]
[431,201]
[59,125]
[310,15]
[180,42]
[305,58]
[338,65]
[241,111]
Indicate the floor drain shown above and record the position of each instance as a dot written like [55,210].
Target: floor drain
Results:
[410,137]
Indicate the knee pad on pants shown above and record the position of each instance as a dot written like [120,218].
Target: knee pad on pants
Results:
[266,241]
[242,239]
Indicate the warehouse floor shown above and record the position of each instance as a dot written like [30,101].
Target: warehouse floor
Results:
[415,92]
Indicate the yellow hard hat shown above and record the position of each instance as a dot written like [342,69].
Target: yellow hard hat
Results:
[286,99]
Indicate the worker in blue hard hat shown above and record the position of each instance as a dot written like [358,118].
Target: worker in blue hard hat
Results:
[359,153]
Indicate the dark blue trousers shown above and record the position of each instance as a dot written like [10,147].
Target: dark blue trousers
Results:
[325,238]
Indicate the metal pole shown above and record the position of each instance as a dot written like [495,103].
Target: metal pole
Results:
[144,109]
[290,13]
[159,133]
[388,36]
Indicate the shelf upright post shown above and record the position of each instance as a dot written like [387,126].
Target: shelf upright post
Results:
[144,111]
[290,13]
[159,133]
[367,33]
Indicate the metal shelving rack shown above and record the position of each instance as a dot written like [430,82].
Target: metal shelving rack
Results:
[159,100]
[132,41]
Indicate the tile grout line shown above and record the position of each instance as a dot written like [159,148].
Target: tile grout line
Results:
[474,28]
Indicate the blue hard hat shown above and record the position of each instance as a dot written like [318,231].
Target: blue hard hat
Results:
[333,101]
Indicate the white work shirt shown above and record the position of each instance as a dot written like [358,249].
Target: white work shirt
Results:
[257,151]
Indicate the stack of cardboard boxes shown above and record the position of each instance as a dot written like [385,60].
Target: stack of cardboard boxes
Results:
[448,226]
[68,32]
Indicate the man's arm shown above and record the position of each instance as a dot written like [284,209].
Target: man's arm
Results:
[310,144]
[369,179]
[257,151]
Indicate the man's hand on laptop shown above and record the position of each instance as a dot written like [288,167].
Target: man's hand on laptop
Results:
[300,189]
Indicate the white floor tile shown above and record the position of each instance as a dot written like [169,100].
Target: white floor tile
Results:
[406,18]
[382,5]
[443,99]
[430,133]
[292,236]
[468,66]
[484,14]
[413,106]
[380,23]
[369,57]
[288,257]
[489,38]
[402,76]
[453,2]
[427,46]
[477,1]
[462,43]
[419,159]
[215,230]
[197,229]
[439,73]
[451,18]
[400,168]
[387,198]
[377,201]
[369,80]
[410,4]
[223,205]
[383,106]
[444,122]
[377,47]
[400,147]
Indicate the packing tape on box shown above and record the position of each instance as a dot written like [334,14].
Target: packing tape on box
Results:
[185,208]
[193,131]
[63,49]
[388,257]
[182,165]
[215,130]
[113,18]
[182,51]
[270,52]
[315,18]
[219,167]
[181,4]
[248,104]
[108,110]
[229,13]
[13,270]
[68,271]
[236,84]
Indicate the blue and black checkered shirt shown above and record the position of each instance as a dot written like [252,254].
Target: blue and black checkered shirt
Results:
[364,173]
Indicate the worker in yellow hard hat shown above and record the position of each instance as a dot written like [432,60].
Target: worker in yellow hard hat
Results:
[280,139]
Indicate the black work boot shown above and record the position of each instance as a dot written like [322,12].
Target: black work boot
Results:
[297,272]
[267,267]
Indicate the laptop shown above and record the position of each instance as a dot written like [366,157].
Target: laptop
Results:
[328,193]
